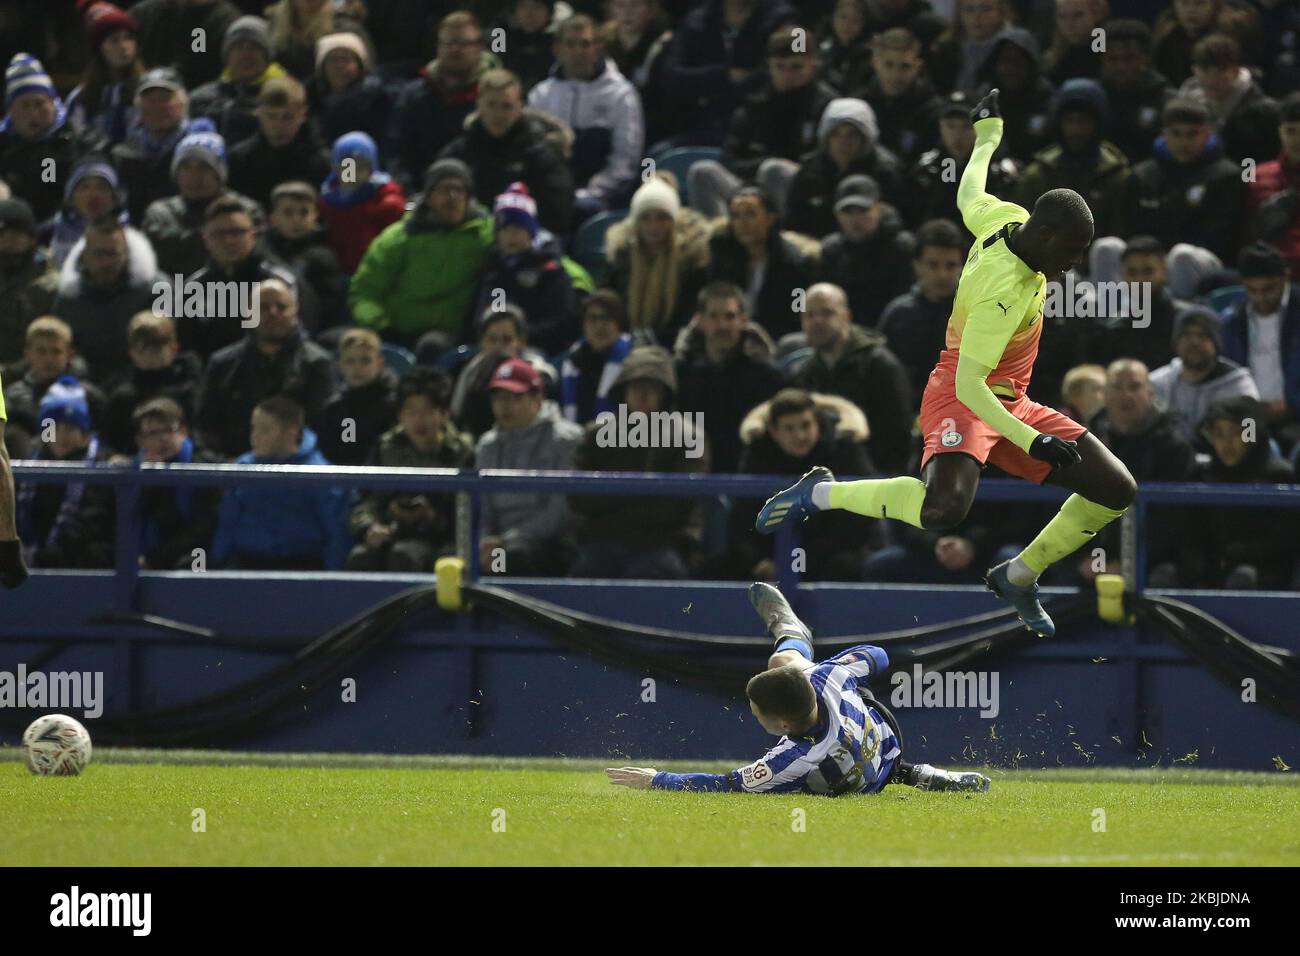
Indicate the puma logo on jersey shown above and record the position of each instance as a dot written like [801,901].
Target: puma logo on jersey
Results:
[1003,308]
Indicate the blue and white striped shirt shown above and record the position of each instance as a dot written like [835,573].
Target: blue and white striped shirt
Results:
[851,748]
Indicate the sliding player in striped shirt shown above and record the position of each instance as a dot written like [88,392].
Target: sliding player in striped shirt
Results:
[975,410]
[835,737]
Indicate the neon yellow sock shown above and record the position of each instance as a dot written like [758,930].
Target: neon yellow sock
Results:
[898,498]
[1074,525]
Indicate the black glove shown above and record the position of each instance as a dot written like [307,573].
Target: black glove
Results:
[986,107]
[1057,452]
[13,569]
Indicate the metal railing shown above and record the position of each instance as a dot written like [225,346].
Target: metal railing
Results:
[470,486]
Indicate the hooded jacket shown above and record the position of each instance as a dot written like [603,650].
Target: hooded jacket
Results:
[1188,401]
[1025,112]
[418,275]
[527,520]
[1099,173]
[99,316]
[1202,202]
[269,522]
[652,521]
[608,127]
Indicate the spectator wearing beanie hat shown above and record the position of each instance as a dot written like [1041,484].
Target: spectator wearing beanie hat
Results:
[358,200]
[1198,373]
[848,145]
[104,100]
[92,190]
[590,367]
[174,225]
[344,93]
[657,261]
[167,35]
[69,525]
[421,275]
[28,280]
[33,135]
[1262,332]
[230,101]
[526,267]
[296,28]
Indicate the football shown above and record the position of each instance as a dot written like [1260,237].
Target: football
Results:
[56,745]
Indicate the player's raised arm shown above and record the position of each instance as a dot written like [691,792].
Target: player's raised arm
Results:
[972,197]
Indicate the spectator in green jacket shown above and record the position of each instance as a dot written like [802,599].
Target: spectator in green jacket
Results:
[419,278]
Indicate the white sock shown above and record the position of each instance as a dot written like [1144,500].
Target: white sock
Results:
[1021,574]
[821,495]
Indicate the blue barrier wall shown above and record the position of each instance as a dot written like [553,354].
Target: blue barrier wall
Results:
[474,684]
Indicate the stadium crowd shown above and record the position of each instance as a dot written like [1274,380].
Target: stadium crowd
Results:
[464,231]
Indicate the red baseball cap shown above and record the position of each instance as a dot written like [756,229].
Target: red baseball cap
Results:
[516,375]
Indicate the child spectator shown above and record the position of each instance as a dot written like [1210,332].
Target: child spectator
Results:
[296,238]
[173,521]
[870,257]
[593,363]
[501,335]
[277,527]
[159,369]
[358,200]
[48,356]
[68,525]
[285,145]
[658,260]
[365,407]
[525,268]
[1083,390]
[405,532]
[92,190]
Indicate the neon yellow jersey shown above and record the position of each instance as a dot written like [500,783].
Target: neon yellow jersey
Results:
[4,415]
[996,316]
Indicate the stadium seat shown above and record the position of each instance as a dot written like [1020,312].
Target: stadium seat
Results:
[1225,297]
[398,359]
[589,242]
[680,160]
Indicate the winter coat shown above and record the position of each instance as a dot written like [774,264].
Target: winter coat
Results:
[793,262]
[871,272]
[311,259]
[372,411]
[99,316]
[25,165]
[608,127]
[536,281]
[1275,208]
[25,294]
[267,522]
[1187,402]
[810,203]
[232,106]
[257,167]
[69,525]
[1236,343]
[915,329]
[366,105]
[175,521]
[394,450]
[527,153]
[174,226]
[207,333]
[417,277]
[354,220]
[870,376]
[725,392]
[178,381]
[144,167]
[167,36]
[636,277]
[775,125]
[239,376]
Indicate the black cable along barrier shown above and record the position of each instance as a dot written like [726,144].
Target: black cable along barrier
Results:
[716,663]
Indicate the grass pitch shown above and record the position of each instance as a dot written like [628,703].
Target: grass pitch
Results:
[141,808]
